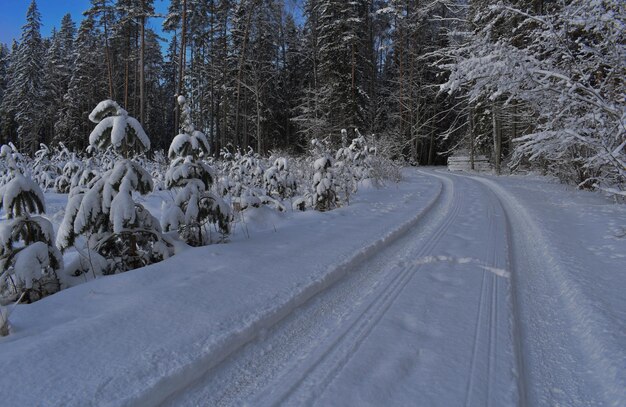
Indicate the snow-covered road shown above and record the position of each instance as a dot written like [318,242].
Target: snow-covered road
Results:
[470,307]
[425,321]
[446,290]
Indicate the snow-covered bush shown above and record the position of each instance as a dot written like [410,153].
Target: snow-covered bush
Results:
[116,227]
[346,180]
[353,165]
[45,171]
[324,195]
[362,157]
[10,161]
[244,180]
[29,260]
[244,171]
[279,182]
[196,207]
[63,183]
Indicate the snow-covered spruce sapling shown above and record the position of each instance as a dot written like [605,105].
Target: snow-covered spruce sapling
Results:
[279,182]
[63,183]
[9,158]
[45,170]
[324,195]
[195,205]
[362,155]
[245,182]
[29,260]
[344,176]
[117,228]
[354,165]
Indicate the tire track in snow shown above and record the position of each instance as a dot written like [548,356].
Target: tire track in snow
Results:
[329,362]
[562,357]
[513,300]
[285,341]
[487,302]
[493,325]
[476,342]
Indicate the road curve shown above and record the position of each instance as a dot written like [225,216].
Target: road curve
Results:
[464,309]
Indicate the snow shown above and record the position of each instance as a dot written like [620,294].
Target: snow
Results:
[119,122]
[118,130]
[445,289]
[177,145]
[139,132]
[122,210]
[31,262]
[15,189]
[103,108]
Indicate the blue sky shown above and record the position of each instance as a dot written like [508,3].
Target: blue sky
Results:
[13,15]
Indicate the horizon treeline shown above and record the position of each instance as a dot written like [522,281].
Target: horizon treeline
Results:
[254,75]
[533,84]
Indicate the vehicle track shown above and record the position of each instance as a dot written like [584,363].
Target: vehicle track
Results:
[334,357]
[516,330]
[545,297]
[303,338]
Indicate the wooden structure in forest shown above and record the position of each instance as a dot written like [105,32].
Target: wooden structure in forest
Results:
[462,161]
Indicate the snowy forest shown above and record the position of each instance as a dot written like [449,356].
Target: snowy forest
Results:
[527,82]
[313,203]
[248,105]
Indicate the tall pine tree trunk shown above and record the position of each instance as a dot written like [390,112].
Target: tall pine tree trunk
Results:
[181,65]
[240,75]
[142,65]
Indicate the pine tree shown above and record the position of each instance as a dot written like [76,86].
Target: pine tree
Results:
[25,96]
[102,14]
[5,116]
[118,228]
[29,260]
[195,207]
[57,72]
[343,63]
[86,87]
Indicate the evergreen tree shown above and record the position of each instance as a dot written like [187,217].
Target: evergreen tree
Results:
[29,260]
[25,95]
[118,228]
[53,83]
[5,119]
[57,73]
[102,12]
[8,127]
[87,85]
[292,83]
[4,64]
[308,115]
[324,195]
[195,207]
[343,63]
